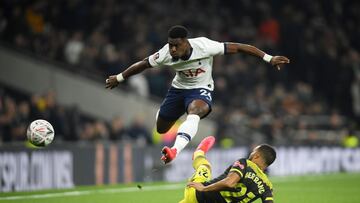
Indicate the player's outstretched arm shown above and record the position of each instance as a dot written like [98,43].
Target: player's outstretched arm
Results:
[229,182]
[276,61]
[138,67]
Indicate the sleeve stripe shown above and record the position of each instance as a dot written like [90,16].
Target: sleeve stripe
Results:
[148,62]
[151,61]
[269,198]
[225,49]
[237,171]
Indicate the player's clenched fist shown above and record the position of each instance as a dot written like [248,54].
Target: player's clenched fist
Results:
[111,82]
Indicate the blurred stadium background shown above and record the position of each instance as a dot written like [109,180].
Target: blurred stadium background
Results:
[55,56]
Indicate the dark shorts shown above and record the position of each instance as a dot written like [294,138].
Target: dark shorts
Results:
[177,101]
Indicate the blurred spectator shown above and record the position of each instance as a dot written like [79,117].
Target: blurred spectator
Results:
[118,131]
[88,132]
[7,119]
[73,48]
[157,81]
[74,119]
[34,17]
[139,85]
[94,130]
[269,29]
[101,130]
[335,121]
[138,132]
[21,121]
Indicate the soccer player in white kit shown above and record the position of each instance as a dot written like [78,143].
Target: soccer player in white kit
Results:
[191,89]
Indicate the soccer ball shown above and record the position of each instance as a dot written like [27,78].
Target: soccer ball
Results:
[40,133]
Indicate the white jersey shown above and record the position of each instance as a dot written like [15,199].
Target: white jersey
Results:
[196,72]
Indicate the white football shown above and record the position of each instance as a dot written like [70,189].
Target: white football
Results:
[40,133]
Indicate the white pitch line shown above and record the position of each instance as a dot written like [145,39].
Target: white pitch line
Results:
[99,191]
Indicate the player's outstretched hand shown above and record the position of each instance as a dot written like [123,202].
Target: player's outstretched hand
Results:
[277,61]
[197,186]
[111,82]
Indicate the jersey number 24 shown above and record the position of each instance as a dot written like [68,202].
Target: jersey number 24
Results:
[206,93]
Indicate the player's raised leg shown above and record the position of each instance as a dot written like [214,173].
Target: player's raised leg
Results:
[187,130]
[205,145]
[202,168]
[171,109]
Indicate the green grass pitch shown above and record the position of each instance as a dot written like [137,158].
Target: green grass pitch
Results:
[330,188]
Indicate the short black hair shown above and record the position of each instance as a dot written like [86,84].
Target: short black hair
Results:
[177,31]
[268,153]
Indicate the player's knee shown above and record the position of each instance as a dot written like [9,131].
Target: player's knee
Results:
[162,126]
[203,173]
[198,111]
[199,108]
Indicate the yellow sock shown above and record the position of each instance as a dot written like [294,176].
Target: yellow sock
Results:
[199,159]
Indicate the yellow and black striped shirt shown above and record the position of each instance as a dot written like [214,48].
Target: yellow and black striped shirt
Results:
[253,184]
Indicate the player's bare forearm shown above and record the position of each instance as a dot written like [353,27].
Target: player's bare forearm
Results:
[232,48]
[138,67]
[229,182]
[225,183]
[213,187]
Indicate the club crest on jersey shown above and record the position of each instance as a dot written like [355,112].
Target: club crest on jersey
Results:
[156,56]
[190,73]
[238,164]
